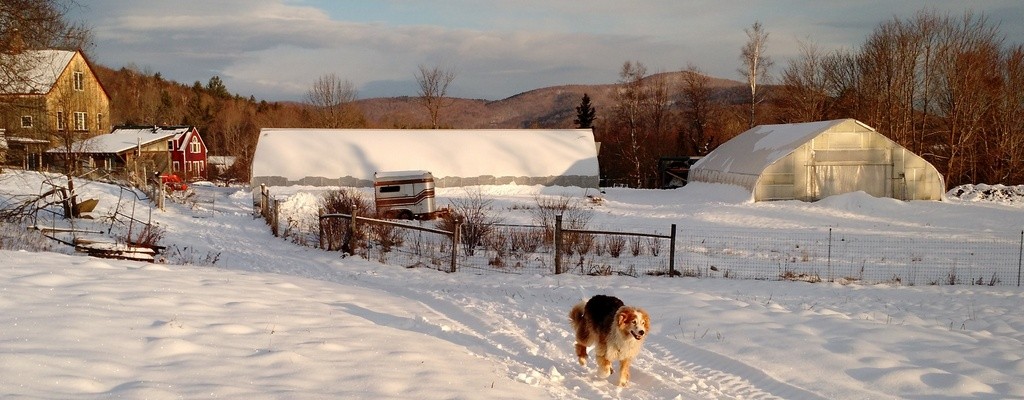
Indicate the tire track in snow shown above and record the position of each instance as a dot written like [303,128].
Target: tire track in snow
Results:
[530,337]
[719,375]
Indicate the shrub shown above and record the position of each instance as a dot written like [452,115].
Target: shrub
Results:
[150,236]
[477,217]
[336,231]
[574,215]
[616,244]
[16,237]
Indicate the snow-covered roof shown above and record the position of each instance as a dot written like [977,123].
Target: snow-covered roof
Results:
[121,140]
[35,71]
[180,135]
[813,160]
[455,157]
[752,151]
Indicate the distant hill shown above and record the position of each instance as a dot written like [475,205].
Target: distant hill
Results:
[549,107]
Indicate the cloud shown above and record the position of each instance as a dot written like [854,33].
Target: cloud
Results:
[275,49]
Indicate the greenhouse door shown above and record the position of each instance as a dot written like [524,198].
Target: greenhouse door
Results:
[838,179]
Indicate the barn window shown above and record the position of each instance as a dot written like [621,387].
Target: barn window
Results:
[79,81]
[26,121]
[80,123]
[390,189]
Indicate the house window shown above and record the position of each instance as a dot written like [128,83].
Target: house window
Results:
[60,121]
[80,121]
[99,121]
[176,167]
[79,81]
[194,145]
[26,121]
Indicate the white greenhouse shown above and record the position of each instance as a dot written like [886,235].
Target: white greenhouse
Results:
[813,160]
[455,157]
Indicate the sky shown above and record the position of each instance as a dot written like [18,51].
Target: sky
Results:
[276,49]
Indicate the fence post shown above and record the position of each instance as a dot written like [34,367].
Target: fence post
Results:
[352,232]
[558,244]
[672,253]
[830,279]
[263,200]
[320,224]
[275,205]
[456,238]
[1020,255]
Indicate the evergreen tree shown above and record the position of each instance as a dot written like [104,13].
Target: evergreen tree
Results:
[217,89]
[585,114]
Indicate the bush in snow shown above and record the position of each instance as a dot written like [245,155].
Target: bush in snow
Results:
[16,237]
[337,231]
[477,216]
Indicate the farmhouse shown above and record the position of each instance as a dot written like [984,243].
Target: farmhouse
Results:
[188,152]
[46,94]
[455,157]
[813,160]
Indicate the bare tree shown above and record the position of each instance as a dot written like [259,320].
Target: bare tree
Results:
[699,111]
[331,98]
[1005,149]
[805,86]
[637,132]
[434,83]
[968,57]
[755,64]
[41,24]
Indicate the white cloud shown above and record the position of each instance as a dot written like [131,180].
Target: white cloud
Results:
[275,49]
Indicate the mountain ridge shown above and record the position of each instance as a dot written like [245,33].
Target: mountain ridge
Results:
[546,107]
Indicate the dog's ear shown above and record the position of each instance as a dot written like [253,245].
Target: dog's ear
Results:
[625,315]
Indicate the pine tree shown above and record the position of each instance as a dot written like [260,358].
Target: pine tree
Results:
[585,114]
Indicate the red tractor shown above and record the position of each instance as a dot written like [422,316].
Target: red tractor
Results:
[173,183]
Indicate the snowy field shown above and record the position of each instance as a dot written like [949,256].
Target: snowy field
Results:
[256,317]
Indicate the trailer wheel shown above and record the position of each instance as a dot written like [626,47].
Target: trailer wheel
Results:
[405,214]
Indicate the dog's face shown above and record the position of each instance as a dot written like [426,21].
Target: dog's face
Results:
[634,321]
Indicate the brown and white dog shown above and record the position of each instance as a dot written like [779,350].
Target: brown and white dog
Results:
[617,330]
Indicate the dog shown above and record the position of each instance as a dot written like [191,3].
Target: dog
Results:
[618,331]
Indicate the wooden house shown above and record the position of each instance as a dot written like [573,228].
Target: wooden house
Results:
[132,153]
[49,96]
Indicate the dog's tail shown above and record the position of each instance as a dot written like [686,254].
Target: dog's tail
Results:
[576,315]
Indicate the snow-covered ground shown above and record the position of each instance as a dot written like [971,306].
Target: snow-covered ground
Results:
[253,316]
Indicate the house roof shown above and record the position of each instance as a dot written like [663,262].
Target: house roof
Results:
[299,153]
[121,140]
[750,152]
[34,71]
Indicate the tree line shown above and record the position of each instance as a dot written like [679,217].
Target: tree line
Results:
[949,88]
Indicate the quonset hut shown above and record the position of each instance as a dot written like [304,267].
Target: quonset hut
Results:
[455,157]
[813,160]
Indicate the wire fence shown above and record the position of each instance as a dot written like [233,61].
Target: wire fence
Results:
[828,254]
[838,256]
